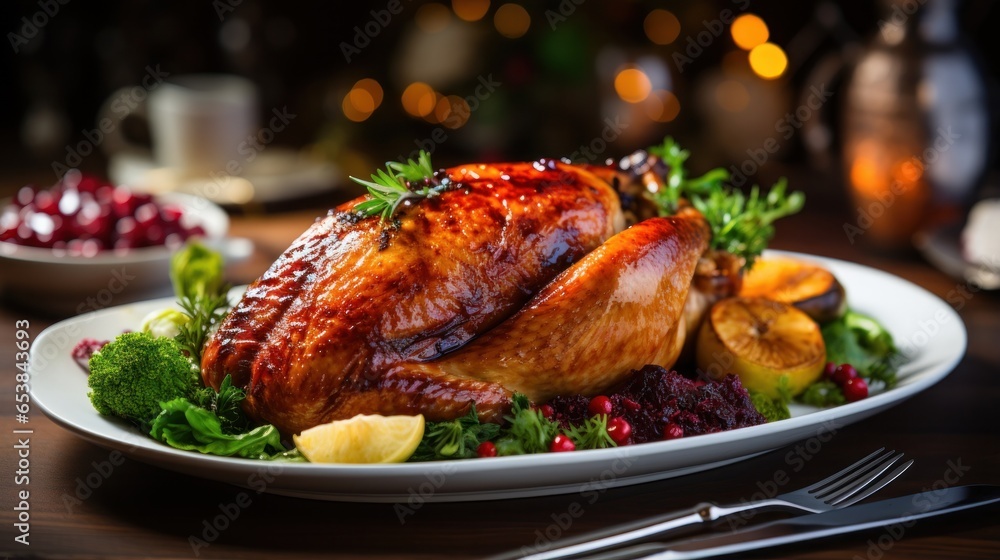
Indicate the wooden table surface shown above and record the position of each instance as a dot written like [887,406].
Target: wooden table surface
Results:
[141,510]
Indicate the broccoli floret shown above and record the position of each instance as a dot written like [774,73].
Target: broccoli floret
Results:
[134,373]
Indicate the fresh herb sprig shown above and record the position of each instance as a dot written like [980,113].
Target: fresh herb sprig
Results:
[741,224]
[203,313]
[526,431]
[392,186]
[455,439]
[196,273]
[592,434]
[225,404]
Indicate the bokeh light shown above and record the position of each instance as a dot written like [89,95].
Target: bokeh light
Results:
[749,31]
[662,106]
[867,175]
[470,10]
[373,88]
[633,85]
[512,20]
[768,60]
[732,96]
[419,99]
[662,26]
[351,112]
[433,17]
[362,100]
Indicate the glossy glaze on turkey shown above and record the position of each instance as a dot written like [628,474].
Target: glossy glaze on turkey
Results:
[519,279]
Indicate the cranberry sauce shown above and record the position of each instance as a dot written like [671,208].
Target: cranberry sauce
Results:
[655,397]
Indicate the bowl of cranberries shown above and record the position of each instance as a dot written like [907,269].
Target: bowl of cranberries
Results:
[84,244]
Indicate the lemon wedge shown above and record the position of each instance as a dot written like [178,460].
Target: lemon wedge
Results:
[362,439]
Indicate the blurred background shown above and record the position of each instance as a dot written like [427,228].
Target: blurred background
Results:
[853,101]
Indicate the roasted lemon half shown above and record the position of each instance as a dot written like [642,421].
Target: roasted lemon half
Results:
[807,286]
[763,342]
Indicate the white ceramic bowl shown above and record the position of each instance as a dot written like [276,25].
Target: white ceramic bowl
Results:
[42,280]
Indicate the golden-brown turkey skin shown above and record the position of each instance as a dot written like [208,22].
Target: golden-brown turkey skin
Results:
[312,339]
[613,312]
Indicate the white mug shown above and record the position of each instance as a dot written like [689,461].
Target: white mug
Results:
[197,122]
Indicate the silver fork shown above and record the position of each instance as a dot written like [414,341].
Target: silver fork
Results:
[842,489]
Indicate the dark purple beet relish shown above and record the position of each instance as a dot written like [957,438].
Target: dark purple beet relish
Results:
[654,396]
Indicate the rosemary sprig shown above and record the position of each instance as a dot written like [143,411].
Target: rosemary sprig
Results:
[197,275]
[390,187]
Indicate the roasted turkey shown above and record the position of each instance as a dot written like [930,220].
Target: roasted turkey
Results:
[520,278]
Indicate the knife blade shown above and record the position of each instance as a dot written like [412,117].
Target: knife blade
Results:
[904,511]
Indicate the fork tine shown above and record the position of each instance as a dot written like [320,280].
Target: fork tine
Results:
[850,501]
[837,475]
[877,470]
[837,489]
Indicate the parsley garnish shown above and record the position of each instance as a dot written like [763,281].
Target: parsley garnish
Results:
[455,439]
[740,224]
[397,183]
[526,431]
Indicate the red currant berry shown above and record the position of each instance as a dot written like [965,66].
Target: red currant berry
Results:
[69,203]
[47,203]
[673,431]
[828,370]
[599,405]
[486,449]
[547,411]
[128,234]
[855,389]
[154,235]
[172,213]
[620,430]
[123,202]
[843,374]
[561,443]
[148,214]
[104,195]
[25,196]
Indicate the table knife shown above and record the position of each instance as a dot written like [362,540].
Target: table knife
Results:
[896,515]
